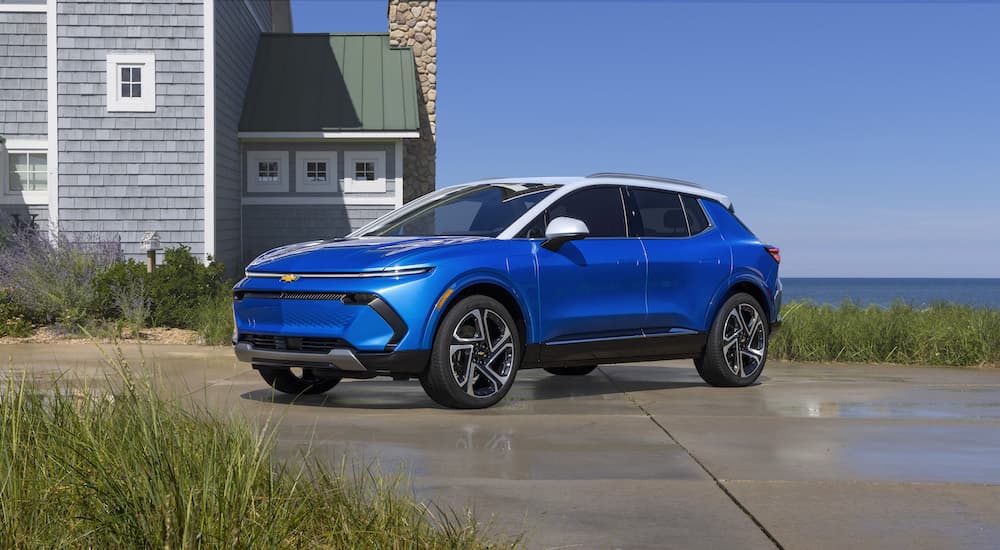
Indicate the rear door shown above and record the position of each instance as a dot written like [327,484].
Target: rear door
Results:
[688,260]
[593,289]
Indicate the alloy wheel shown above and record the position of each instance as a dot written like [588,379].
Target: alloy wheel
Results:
[743,340]
[482,353]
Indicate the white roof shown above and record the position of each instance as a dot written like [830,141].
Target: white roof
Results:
[574,182]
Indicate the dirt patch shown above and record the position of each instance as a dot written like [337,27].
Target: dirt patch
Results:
[156,335]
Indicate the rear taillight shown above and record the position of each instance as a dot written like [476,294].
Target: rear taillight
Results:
[775,253]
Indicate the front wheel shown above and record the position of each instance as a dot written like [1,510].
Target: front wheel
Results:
[296,381]
[736,349]
[476,353]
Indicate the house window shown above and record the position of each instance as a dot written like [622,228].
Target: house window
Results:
[131,82]
[315,171]
[28,172]
[268,171]
[365,172]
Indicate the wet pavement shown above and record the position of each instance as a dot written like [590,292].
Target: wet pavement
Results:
[646,455]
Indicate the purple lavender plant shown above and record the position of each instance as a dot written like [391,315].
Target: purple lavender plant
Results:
[53,278]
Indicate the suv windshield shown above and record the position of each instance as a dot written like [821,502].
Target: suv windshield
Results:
[480,210]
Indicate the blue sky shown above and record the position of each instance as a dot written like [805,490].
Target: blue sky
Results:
[863,138]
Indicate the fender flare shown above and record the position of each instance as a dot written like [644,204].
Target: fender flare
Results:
[463,282]
[727,289]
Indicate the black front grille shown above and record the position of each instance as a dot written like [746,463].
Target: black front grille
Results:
[306,344]
[290,295]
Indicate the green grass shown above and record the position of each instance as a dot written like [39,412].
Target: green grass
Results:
[943,334]
[214,320]
[122,467]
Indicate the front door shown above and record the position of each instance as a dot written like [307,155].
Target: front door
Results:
[591,291]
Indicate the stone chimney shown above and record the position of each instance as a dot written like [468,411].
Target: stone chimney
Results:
[413,24]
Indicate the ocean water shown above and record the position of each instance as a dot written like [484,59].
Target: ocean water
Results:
[883,292]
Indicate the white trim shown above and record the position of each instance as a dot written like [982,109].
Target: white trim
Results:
[208,171]
[52,118]
[254,157]
[145,103]
[327,135]
[399,174]
[23,8]
[374,186]
[346,199]
[27,145]
[331,184]
[253,14]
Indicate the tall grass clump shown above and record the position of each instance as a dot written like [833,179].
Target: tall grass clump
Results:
[215,320]
[942,334]
[119,466]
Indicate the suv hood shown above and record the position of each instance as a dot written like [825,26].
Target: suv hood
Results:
[349,255]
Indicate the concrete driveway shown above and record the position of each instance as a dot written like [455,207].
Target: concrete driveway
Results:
[646,456]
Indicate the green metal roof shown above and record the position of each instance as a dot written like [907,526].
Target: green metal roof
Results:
[330,82]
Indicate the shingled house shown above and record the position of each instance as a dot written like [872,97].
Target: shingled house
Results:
[210,121]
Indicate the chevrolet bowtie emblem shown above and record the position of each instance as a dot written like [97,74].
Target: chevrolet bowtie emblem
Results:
[289,278]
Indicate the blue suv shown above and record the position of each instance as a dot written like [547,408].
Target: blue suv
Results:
[467,285]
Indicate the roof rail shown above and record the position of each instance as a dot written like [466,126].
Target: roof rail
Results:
[624,175]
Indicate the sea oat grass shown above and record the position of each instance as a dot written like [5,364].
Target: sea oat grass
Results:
[942,334]
[120,466]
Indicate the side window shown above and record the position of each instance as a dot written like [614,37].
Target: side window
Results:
[598,207]
[660,213]
[696,218]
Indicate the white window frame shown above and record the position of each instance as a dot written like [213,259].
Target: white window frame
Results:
[364,186]
[254,157]
[14,147]
[302,183]
[144,104]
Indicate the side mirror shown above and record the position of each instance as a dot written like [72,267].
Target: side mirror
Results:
[561,230]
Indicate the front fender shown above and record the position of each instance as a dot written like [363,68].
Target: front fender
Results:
[465,281]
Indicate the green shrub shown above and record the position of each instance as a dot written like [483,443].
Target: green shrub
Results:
[125,467]
[181,285]
[943,334]
[113,281]
[13,320]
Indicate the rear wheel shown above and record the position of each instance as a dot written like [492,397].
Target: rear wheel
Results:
[736,349]
[296,381]
[476,353]
[571,371]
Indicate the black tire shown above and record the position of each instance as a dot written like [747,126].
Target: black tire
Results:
[571,371]
[286,381]
[735,352]
[452,378]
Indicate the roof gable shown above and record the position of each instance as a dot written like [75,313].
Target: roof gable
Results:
[330,82]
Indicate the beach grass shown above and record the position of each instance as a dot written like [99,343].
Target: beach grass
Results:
[943,334]
[118,465]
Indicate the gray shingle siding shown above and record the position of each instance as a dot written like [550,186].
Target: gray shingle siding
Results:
[126,173]
[236,36]
[23,105]
[23,213]
[269,226]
